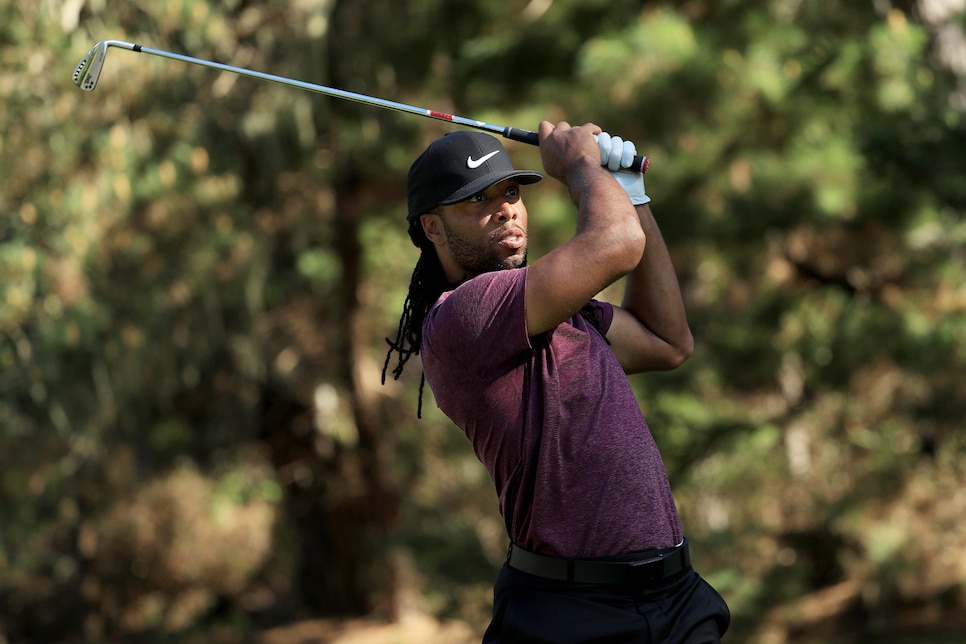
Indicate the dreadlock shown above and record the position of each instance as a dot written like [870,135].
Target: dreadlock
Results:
[426,285]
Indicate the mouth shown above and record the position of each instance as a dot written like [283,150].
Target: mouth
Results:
[513,239]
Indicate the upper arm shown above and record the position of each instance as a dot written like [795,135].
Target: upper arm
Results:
[638,349]
[609,243]
[561,283]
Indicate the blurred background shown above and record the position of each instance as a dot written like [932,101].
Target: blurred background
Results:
[198,272]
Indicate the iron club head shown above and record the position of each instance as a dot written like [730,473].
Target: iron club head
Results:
[88,70]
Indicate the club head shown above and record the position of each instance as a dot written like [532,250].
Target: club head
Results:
[88,70]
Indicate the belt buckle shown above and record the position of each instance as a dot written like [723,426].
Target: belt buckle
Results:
[647,572]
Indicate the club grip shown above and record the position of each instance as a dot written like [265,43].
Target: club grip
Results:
[523,136]
[639,164]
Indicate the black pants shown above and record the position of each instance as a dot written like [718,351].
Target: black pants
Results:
[683,610]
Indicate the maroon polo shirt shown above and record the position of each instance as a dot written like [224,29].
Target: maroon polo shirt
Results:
[553,419]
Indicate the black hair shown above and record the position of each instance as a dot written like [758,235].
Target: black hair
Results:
[426,285]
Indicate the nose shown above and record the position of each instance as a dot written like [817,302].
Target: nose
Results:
[507,209]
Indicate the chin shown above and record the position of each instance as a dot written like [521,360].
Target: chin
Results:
[514,261]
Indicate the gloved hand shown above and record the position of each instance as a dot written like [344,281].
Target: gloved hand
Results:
[616,154]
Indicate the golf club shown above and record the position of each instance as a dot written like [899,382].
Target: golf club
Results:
[88,71]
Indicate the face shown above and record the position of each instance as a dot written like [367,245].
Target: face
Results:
[487,232]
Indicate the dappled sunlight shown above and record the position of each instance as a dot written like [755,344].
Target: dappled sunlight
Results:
[199,271]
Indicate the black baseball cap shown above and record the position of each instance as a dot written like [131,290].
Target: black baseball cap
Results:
[456,167]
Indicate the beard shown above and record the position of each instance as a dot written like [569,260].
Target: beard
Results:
[476,257]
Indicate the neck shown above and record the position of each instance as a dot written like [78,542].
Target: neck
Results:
[453,272]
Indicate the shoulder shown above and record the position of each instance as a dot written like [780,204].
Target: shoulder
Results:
[497,290]
[491,304]
[492,283]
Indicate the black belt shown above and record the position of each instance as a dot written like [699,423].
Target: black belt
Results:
[663,565]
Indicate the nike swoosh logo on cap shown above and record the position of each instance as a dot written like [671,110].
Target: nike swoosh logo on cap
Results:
[473,164]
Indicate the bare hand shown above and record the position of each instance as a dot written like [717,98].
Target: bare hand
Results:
[565,148]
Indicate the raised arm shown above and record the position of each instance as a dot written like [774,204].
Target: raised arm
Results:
[609,240]
[650,330]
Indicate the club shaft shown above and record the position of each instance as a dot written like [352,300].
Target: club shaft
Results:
[639,164]
[321,89]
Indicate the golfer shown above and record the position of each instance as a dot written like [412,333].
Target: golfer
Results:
[532,368]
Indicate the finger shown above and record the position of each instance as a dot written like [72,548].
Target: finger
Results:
[630,151]
[603,142]
[616,153]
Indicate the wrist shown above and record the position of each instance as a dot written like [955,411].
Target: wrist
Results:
[633,185]
[642,200]
[583,173]
[585,165]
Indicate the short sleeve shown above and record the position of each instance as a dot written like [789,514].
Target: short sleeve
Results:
[484,317]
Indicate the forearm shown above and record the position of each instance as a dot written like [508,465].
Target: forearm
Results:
[602,207]
[652,293]
[608,243]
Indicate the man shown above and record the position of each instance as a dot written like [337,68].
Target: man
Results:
[532,369]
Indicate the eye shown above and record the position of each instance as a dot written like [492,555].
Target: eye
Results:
[477,198]
[513,191]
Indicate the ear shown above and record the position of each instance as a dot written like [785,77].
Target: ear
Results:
[433,228]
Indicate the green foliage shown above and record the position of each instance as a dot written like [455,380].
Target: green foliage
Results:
[197,271]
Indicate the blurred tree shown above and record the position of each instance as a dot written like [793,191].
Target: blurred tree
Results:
[197,271]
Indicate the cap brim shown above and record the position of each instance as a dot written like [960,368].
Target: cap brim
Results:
[475,187]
